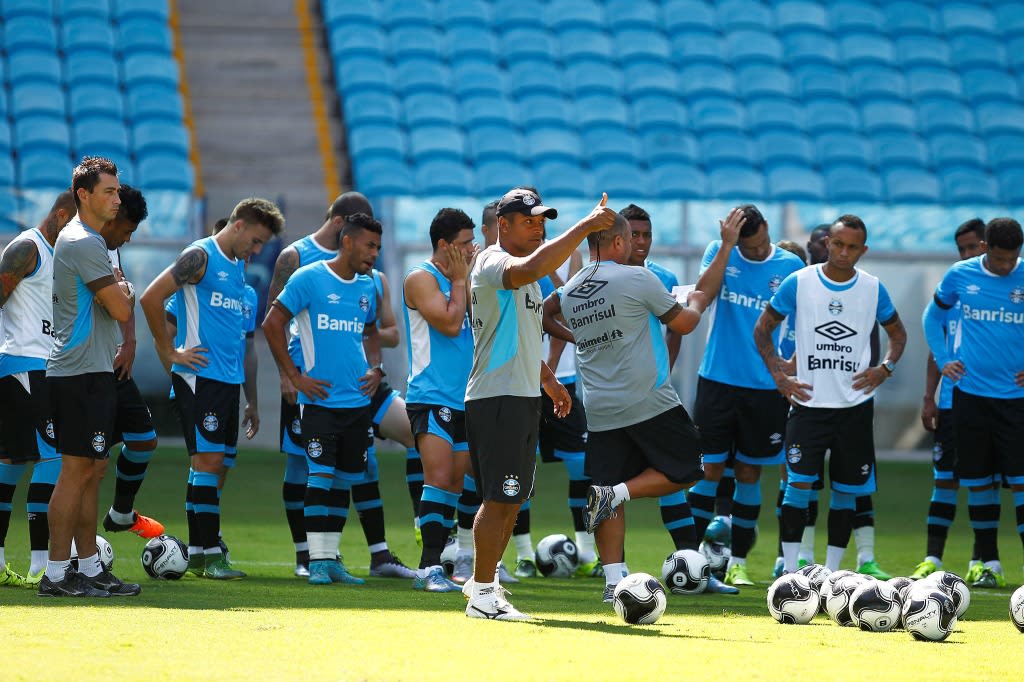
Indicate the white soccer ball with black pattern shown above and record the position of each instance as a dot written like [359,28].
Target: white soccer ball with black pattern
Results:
[639,599]
[902,585]
[826,586]
[448,554]
[792,599]
[103,548]
[557,557]
[875,606]
[955,586]
[165,558]
[1017,608]
[816,574]
[686,571]
[928,613]
[838,603]
[717,555]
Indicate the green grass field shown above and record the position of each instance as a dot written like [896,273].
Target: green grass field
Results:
[275,626]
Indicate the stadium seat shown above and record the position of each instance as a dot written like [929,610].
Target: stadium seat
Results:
[824,115]
[370,107]
[44,170]
[47,133]
[29,33]
[155,101]
[900,149]
[796,14]
[1009,18]
[984,85]
[29,98]
[1006,151]
[526,43]
[851,183]
[143,34]
[646,79]
[425,108]
[795,183]
[959,18]
[783,147]
[356,74]
[928,81]
[38,66]
[866,48]
[999,117]
[853,17]
[968,185]
[495,175]
[150,68]
[543,108]
[678,181]
[620,179]
[657,111]
[93,67]
[477,78]
[559,178]
[717,113]
[376,141]
[153,9]
[666,146]
[974,51]
[610,143]
[691,47]
[163,137]
[87,33]
[1011,185]
[1015,47]
[574,13]
[628,14]
[415,13]
[911,185]
[9,213]
[518,12]
[436,142]
[585,43]
[821,80]
[165,171]
[435,177]
[588,77]
[764,80]
[600,109]
[906,18]
[952,149]
[534,77]
[5,144]
[554,143]
[482,109]
[775,112]
[473,13]
[463,41]
[682,15]
[937,115]
[702,79]
[882,115]
[364,15]
[13,9]
[736,182]
[80,8]
[421,75]
[722,148]
[806,47]
[839,148]
[752,46]
[876,81]
[346,43]
[100,136]
[923,50]
[736,15]
[494,141]
[641,45]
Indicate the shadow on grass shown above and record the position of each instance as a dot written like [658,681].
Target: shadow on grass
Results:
[655,630]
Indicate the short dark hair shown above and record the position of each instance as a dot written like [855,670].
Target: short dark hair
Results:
[220,225]
[619,227]
[357,222]
[133,205]
[634,212]
[1004,233]
[852,221]
[348,203]
[793,248]
[490,213]
[447,224]
[754,220]
[975,225]
[821,231]
[255,210]
[87,173]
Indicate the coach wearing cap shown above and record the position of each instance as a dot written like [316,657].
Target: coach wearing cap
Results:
[502,398]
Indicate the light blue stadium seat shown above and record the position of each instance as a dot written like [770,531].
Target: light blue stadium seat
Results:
[35,66]
[952,149]
[155,9]
[477,110]
[148,101]
[664,146]
[875,81]
[1011,185]
[477,78]
[646,79]
[866,48]
[589,77]
[534,76]
[92,67]
[806,47]
[495,175]
[736,182]
[855,16]
[1009,18]
[620,179]
[359,73]
[923,50]
[144,34]
[722,148]
[155,136]
[494,140]
[353,14]
[436,142]
[628,14]
[983,85]
[464,13]
[775,112]
[5,142]
[962,17]
[825,115]
[380,176]
[703,79]
[937,115]
[678,181]
[421,75]
[900,149]
[1006,151]
[657,111]
[36,132]
[764,80]
[681,15]
[9,213]
[611,143]
[425,108]
[572,13]
[585,43]
[87,33]
[376,141]
[33,8]
[413,42]
[126,171]
[165,171]
[929,81]
[559,178]
[600,109]
[554,143]
[346,43]
[735,15]
[1015,47]
[692,47]
[641,45]
[999,117]
[851,183]
[371,107]
[968,185]
[795,183]
[464,41]
[975,51]
[514,12]
[905,18]
[44,169]
[784,147]
[145,67]
[81,8]
[100,136]
[395,13]
[29,33]
[543,108]
[443,177]
[717,113]
[29,98]
[745,46]
[821,80]
[882,115]
[911,185]
[839,148]
[790,15]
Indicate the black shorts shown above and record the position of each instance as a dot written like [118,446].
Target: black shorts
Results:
[336,440]
[291,430]
[84,410]
[944,449]
[848,432]
[749,421]
[208,410]
[133,422]
[502,434]
[440,421]
[989,438]
[667,443]
[566,434]
[379,404]
[27,432]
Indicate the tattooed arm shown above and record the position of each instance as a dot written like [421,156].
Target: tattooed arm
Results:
[287,263]
[789,387]
[189,268]
[18,261]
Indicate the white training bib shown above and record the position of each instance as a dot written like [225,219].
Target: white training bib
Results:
[26,326]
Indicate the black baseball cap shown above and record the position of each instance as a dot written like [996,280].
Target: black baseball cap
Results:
[520,200]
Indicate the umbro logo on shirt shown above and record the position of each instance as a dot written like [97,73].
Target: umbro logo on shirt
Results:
[835,331]
[973,288]
[222,275]
[732,271]
[1017,295]
[588,289]
[333,298]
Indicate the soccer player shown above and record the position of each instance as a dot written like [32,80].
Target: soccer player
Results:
[641,442]
[836,306]
[88,301]
[988,392]
[737,408]
[502,396]
[205,359]
[440,353]
[26,337]
[938,418]
[333,304]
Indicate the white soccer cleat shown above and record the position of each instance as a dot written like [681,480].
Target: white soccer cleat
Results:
[494,606]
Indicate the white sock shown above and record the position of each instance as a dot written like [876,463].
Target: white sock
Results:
[834,557]
[807,544]
[194,550]
[90,566]
[211,551]
[935,560]
[621,494]
[465,540]
[790,551]
[524,546]
[484,589]
[3,558]
[994,566]
[733,560]
[320,547]
[613,573]
[864,538]
[123,519]
[55,570]
[379,547]
[585,547]
[301,546]
[38,562]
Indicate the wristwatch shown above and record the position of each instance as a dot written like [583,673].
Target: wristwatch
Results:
[889,366]
[384,374]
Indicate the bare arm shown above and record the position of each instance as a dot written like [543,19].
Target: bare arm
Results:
[556,391]
[929,410]
[19,260]
[422,293]
[673,340]
[387,326]
[710,281]
[682,320]
[189,267]
[124,360]
[369,382]
[114,296]
[275,330]
[251,414]
[554,325]
[788,386]
[287,263]
[873,377]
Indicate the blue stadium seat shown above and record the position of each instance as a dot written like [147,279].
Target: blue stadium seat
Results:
[923,50]
[764,80]
[611,143]
[150,68]
[477,110]
[962,17]
[1011,184]
[494,140]
[81,8]
[620,179]
[824,115]
[585,43]
[641,45]
[900,149]
[474,13]
[983,85]
[477,78]
[1009,18]
[820,80]
[866,48]
[587,77]
[5,143]
[806,47]
[28,33]
[48,133]
[397,13]
[937,115]
[906,18]
[790,15]
[425,108]
[382,177]
[154,136]
[911,185]
[691,47]
[435,177]
[559,178]
[852,17]
[1016,53]
[155,101]
[346,43]
[784,147]
[37,98]
[974,51]
[722,148]
[703,79]
[359,73]
[87,33]
[843,148]
[735,15]
[144,34]
[165,171]
[882,115]
[775,112]
[531,77]
[35,66]
[364,15]
[736,182]
[682,15]
[968,185]
[1006,151]
[952,149]
[658,111]
[494,176]
[745,46]
[519,43]
[554,143]
[999,117]
[33,8]
[573,13]
[44,169]
[126,171]
[518,12]
[9,213]
[795,183]
[601,109]
[628,14]
[376,141]
[929,81]
[92,67]
[851,183]
[463,41]
[100,136]
[717,113]
[543,108]
[678,181]
[421,75]
[876,81]
[666,146]
[154,9]
[370,107]
[646,79]
[436,142]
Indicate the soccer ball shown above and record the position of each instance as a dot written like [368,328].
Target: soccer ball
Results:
[955,586]
[838,603]
[875,606]
[639,599]
[451,548]
[165,558]
[717,555]
[902,585]
[557,557]
[1017,608]
[929,614]
[826,585]
[719,531]
[793,600]
[815,574]
[686,572]
[103,548]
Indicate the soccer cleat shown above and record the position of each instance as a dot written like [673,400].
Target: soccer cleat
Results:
[990,579]
[737,575]
[779,568]
[220,569]
[609,594]
[599,506]
[802,562]
[504,577]
[591,569]
[974,569]
[494,606]
[391,567]
[923,570]
[719,530]
[339,574]
[434,581]
[73,585]
[196,564]
[318,574]
[224,549]
[32,581]
[526,568]
[9,578]
[301,570]
[112,584]
[716,586]
[463,569]
[873,569]
[144,526]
